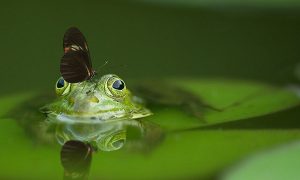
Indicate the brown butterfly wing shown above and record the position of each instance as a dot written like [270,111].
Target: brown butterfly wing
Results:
[76,65]
[73,67]
[73,36]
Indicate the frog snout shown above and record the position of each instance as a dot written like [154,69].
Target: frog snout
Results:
[83,101]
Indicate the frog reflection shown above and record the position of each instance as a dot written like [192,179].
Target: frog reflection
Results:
[106,136]
[79,139]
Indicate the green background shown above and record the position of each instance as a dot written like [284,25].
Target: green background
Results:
[253,40]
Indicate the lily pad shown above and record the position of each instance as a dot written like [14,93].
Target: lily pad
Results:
[237,100]
[278,163]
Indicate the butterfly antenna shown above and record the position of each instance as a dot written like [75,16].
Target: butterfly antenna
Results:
[105,63]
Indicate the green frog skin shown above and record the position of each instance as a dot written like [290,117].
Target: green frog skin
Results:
[103,98]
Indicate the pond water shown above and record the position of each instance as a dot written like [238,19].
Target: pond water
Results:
[240,60]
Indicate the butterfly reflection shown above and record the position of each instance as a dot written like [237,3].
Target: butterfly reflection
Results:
[80,140]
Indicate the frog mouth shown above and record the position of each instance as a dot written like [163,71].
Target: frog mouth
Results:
[101,117]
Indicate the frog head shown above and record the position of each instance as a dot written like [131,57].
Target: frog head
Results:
[101,98]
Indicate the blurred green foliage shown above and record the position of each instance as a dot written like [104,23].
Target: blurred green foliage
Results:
[147,40]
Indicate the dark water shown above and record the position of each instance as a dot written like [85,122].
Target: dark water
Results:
[147,40]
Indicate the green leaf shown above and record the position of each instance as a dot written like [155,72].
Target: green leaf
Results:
[276,164]
[238,100]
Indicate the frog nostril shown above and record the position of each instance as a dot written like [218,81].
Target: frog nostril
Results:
[88,92]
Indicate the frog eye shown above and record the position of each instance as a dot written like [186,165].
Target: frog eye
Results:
[62,87]
[116,87]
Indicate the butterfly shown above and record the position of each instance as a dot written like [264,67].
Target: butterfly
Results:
[76,64]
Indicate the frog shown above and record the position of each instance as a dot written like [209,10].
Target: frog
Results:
[99,113]
[106,98]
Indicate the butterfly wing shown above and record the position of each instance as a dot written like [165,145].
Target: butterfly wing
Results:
[73,67]
[76,65]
